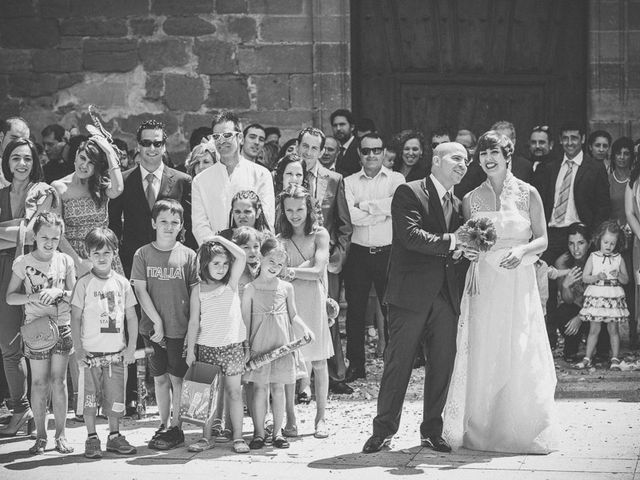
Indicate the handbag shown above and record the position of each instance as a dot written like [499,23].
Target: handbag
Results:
[40,334]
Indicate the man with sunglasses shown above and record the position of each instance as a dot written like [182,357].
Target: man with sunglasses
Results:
[214,188]
[369,193]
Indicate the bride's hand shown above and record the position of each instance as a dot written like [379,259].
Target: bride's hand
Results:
[512,259]
[469,253]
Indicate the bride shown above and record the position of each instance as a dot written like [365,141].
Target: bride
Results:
[501,393]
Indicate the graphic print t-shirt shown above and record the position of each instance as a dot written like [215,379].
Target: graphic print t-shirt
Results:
[103,302]
[37,275]
[169,277]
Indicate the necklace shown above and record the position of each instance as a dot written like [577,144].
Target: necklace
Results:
[613,174]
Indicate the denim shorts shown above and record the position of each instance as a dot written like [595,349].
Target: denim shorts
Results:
[64,346]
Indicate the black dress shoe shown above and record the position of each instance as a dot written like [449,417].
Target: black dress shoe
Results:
[375,444]
[354,374]
[436,443]
[340,388]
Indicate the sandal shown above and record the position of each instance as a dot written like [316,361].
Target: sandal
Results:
[584,364]
[290,432]
[256,443]
[61,445]
[38,447]
[304,398]
[280,442]
[321,430]
[201,445]
[216,427]
[225,436]
[240,446]
[615,364]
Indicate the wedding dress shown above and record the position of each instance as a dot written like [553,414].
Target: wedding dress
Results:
[501,396]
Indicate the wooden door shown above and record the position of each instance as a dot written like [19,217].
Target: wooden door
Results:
[468,63]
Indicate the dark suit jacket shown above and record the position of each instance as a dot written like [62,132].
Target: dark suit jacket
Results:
[349,163]
[130,215]
[420,263]
[521,168]
[335,214]
[590,190]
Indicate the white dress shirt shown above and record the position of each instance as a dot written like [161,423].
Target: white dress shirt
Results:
[441,193]
[212,191]
[157,173]
[571,215]
[371,219]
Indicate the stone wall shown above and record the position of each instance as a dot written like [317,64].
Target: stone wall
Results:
[277,62]
[614,66]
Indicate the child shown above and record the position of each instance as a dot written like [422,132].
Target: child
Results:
[269,308]
[604,300]
[102,303]
[46,277]
[217,333]
[246,211]
[163,274]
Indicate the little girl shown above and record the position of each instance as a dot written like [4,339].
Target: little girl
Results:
[42,281]
[269,308]
[246,211]
[216,333]
[604,300]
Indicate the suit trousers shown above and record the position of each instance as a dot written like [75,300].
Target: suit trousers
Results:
[361,270]
[335,364]
[407,330]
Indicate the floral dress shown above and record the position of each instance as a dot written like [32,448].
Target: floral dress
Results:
[605,300]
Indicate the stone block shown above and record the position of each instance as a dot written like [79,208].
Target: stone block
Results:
[93,27]
[606,75]
[71,42]
[301,91]
[9,107]
[33,84]
[272,91]
[17,9]
[333,7]
[633,52]
[607,18]
[192,26]
[154,86]
[215,56]
[173,7]
[282,118]
[275,59]
[191,121]
[13,60]
[277,7]
[29,33]
[54,8]
[633,15]
[226,91]
[130,124]
[330,29]
[53,60]
[605,46]
[112,8]
[69,79]
[171,52]
[279,29]
[4,86]
[335,89]
[231,6]
[143,26]
[110,55]
[633,75]
[244,27]
[331,57]
[182,92]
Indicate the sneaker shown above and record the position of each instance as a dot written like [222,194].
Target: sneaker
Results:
[172,438]
[156,435]
[92,448]
[615,364]
[120,445]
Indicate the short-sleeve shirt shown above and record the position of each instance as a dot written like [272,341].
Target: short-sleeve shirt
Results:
[37,275]
[103,302]
[169,277]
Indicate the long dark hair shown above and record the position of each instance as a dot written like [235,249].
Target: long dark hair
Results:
[261,220]
[282,166]
[311,222]
[399,142]
[36,174]
[99,181]
[579,229]
[207,252]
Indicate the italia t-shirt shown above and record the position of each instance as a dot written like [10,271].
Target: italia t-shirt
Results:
[169,276]
[103,302]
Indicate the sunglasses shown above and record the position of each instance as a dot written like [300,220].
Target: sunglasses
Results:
[225,135]
[375,150]
[543,128]
[148,143]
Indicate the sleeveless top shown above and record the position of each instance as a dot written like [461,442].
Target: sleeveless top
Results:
[221,321]
[5,214]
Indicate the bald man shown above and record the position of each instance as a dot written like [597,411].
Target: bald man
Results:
[423,298]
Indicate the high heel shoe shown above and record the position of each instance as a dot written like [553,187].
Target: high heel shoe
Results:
[18,422]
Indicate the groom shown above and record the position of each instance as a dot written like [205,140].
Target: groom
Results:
[422,294]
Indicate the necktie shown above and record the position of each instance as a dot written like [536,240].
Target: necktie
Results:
[447,208]
[560,209]
[312,184]
[340,157]
[150,194]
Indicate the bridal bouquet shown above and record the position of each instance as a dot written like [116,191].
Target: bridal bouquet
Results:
[479,234]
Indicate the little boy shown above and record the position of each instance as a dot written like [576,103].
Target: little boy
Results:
[162,275]
[101,304]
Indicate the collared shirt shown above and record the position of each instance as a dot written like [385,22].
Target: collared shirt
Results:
[441,193]
[571,216]
[346,144]
[212,191]
[312,179]
[157,173]
[371,219]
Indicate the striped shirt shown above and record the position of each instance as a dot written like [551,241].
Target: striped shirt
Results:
[221,321]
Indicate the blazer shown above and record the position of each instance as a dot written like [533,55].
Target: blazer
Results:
[335,213]
[420,263]
[349,163]
[590,189]
[130,215]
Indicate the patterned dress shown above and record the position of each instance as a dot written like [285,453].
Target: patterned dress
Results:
[605,300]
[81,215]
